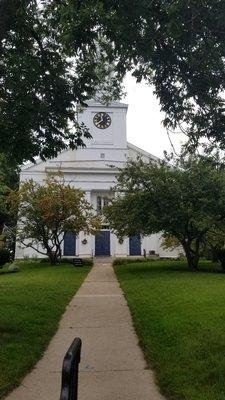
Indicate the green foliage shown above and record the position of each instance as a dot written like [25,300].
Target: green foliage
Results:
[55,54]
[214,244]
[170,242]
[219,256]
[124,261]
[183,201]
[44,74]
[9,179]
[4,257]
[9,172]
[3,207]
[47,211]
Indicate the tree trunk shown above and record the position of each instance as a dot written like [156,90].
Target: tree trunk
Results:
[52,258]
[191,255]
[54,255]
[193,260]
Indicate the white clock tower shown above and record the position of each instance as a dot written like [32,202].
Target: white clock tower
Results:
[107,125]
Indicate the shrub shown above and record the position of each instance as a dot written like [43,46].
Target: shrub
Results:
[4,257]
[219,256]
[123,261]
[13,268]
[86,261]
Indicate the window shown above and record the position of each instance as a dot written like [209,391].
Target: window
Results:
[102,202]
[99,203]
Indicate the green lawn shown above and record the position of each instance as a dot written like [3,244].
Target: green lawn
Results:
[180,320]
[31,302]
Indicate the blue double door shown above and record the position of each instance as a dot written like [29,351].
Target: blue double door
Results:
[102,243]
[135,245]
[69,244]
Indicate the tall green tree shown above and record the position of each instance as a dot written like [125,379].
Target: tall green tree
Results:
[42,79]
[55,54]
[183,201]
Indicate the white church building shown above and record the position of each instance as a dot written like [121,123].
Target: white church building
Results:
[94,169]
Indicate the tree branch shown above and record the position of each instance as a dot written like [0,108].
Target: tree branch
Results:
[32,247]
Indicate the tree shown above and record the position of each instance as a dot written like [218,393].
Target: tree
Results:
[55,54]
[46,212]
[42,80]
[9,179]
[183,201]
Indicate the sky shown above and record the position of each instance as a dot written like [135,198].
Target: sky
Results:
[144,126]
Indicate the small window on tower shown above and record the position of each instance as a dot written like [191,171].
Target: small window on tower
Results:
[102,155]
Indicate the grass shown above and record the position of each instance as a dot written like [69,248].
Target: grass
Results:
[180,320]
[31,302]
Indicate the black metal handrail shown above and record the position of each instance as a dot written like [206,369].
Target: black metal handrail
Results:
[69,388]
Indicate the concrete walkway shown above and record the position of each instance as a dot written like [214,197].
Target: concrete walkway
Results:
[113,366]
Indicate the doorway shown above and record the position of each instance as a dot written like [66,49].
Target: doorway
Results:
[102,243]
[135,245]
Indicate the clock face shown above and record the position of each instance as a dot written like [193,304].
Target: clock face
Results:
[102,120]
